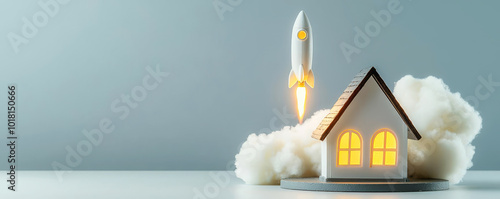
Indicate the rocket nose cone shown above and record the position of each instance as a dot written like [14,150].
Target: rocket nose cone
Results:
[301,21]
[301,16]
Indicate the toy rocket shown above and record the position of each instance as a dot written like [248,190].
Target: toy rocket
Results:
[302,52]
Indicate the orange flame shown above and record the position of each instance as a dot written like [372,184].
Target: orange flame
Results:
[301,101]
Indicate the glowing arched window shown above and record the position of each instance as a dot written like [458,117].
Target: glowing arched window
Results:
[349,148]
[384,148]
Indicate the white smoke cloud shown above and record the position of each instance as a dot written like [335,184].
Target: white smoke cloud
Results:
[447,123]
[289,152]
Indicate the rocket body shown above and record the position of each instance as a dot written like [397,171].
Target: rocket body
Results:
[302,52]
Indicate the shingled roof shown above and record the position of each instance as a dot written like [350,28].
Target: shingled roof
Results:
[350,93]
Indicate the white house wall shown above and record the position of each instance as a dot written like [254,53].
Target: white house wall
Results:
[368,112]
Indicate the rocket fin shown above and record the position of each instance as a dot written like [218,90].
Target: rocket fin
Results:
[291,79]
[310,79]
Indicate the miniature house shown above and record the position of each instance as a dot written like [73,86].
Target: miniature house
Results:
[364,137]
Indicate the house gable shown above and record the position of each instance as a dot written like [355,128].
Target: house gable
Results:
[347,97]
[369,113]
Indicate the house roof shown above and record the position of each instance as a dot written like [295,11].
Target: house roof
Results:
[350,93]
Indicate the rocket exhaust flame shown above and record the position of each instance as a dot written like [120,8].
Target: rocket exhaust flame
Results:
[301,102]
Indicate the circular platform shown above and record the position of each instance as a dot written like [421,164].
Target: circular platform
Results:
[314,184]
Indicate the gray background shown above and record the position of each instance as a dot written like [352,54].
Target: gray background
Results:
[226,76]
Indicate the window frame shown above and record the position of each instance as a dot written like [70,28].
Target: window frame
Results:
[349,149]
[384,149]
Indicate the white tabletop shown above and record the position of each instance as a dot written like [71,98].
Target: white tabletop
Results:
[208,184]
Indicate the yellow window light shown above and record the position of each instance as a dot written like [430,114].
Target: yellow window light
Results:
[343,157]
[349,148]
[355,141]
[344,141]
[390,141]
[384,148]
[378,142]
[378,158]
[355,158]
[390,158]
